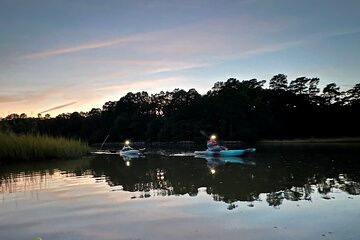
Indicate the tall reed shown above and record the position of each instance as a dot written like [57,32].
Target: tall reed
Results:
[38,147]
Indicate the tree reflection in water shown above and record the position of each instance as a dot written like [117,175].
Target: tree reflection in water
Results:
[291,176]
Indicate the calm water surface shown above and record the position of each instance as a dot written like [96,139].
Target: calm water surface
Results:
[288,192]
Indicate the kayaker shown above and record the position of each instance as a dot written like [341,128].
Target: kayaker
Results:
[126,146]
[213,145]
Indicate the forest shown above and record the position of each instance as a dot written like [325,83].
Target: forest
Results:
[234,110]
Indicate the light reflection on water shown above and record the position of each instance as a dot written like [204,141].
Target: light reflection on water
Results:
[273,194]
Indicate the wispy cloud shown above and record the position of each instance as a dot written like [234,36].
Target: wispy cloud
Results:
[58,107]
[330,34]
[10,99]
[82,47]
[138,85]
[197,38]
[144,67]
[240,35]
[24,96]
[33,100]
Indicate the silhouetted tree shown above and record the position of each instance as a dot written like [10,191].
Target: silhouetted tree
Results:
[234,109]
[299,85]
[331,93]
[353,95]
[12,116]
[278,82]
[313,90]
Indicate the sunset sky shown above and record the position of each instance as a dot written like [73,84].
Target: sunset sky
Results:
[66,56]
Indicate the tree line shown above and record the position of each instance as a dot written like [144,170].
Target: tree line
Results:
[235,110]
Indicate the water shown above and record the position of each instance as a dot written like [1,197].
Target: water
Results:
[280,192]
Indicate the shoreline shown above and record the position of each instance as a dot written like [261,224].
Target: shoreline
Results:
[310,140]
[341,140]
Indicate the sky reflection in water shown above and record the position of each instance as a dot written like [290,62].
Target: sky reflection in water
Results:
[288,193]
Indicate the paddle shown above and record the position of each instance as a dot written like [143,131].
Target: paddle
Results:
[202,132]
[104,141]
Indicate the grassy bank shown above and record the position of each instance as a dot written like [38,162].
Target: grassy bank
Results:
[35,147]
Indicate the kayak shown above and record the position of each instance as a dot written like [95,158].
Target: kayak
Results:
[225,153]
[215,159]
[105,153]
[132,152]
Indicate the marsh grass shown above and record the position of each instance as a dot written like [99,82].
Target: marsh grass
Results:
[39,147]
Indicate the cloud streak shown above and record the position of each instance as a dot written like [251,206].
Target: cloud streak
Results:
[82,47]
[58,107]
[139,85]
[25,96]
[9,99]
[197,38]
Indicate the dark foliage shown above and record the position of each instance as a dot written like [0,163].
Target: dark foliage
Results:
[235,110]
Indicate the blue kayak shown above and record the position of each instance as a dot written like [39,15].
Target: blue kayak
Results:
[225,153]
[132,152]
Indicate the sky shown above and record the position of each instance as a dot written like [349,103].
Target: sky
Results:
[75,55]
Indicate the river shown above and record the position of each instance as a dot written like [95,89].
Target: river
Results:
[295,191]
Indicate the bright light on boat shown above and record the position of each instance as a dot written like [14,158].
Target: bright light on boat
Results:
[127,142]
[212,171]
[127,163]
[213,137]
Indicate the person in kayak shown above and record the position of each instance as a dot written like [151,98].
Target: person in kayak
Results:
[127,146]
[212,144]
